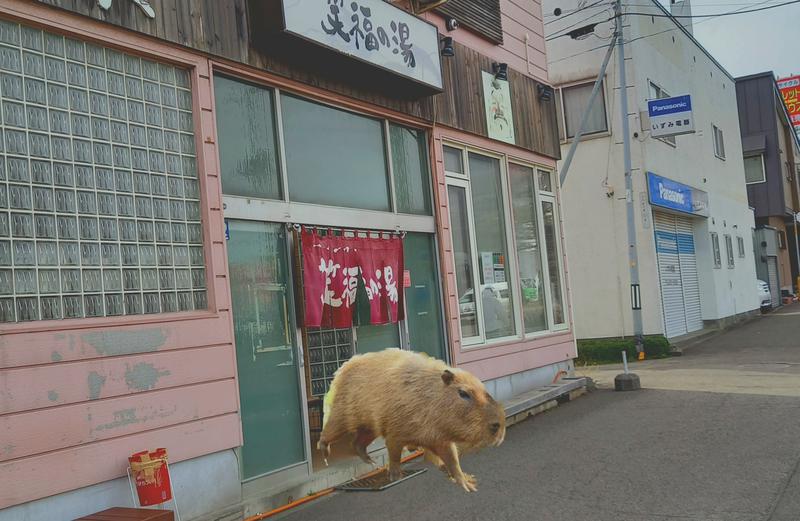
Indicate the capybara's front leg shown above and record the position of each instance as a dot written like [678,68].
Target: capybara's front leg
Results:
[395,450]
[436,461]
[333,430]
[449,455]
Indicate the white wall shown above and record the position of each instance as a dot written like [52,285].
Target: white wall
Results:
[595,223]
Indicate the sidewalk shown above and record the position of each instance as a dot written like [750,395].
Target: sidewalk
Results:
[713,436]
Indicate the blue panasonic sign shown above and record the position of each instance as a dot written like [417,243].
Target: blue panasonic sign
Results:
[670,194]
[666,106]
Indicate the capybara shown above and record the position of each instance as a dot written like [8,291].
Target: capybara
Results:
[412,400]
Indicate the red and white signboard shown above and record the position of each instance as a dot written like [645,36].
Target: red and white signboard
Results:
[332,268]
[790,89]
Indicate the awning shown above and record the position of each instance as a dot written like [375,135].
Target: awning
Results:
[755,144]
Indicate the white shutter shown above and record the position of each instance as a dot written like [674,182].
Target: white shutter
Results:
[669,274]
[690,281]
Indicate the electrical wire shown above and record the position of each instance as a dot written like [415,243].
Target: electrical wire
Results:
[676,28]
[576,11]
[715,15]
[564,30]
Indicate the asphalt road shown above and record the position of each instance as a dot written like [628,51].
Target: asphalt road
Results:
[714,435]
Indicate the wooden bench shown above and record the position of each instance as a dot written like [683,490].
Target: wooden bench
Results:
[130,514]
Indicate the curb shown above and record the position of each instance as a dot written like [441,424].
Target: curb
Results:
[545,398]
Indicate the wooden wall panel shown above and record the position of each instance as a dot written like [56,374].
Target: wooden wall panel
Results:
[30,478]
[461,106]
[53,385]
[104,419]
[93,339]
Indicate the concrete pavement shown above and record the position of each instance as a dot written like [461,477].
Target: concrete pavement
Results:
[714,435]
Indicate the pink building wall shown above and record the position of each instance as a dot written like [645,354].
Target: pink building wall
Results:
[503,359]
[78,396]
[523,47]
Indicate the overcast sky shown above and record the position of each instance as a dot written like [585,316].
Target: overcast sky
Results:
[751,42]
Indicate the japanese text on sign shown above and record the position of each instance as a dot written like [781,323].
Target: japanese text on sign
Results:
[790,90]
[333,268]
[670,116]
[373,31]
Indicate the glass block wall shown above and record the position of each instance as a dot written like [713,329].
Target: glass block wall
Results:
[99,193]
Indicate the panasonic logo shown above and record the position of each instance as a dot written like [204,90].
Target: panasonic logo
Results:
[671,195]
[661,108]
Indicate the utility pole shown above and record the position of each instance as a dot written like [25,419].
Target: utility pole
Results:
[633,255]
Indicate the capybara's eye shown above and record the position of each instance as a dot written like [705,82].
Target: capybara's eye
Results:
[464,394]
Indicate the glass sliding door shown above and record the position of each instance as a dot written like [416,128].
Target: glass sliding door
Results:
[269,380]
[423,303]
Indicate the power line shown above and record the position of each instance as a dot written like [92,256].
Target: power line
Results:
[564,30]
[598,2]
[676,28]
[728,13]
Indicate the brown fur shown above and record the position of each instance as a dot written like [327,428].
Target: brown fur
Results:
[413,401]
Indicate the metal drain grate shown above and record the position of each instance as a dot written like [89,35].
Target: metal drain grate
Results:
[378,482]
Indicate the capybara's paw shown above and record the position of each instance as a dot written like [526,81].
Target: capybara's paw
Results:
[395,473]
[468,483]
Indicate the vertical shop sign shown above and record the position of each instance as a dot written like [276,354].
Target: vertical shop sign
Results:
[497,104]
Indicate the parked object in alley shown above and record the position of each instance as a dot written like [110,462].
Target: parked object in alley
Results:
[412,400]
[764,294]
[626,381]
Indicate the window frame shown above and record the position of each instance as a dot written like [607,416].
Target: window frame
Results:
[719,142]
[729,251]
[551,197]
[716,254]
[660,93]
[763,170]
[561,114]
[286,211]
[782,240]
[462,180]
[740,245]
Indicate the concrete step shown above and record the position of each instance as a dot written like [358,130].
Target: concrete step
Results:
[539,400]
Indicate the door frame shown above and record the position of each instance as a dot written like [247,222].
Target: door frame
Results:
[302,468]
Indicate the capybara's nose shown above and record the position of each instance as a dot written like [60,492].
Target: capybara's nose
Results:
[494,427]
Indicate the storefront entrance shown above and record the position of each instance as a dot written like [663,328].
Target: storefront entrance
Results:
[266,348]
[677,271]
[286,163]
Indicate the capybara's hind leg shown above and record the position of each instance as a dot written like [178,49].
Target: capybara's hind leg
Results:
[449,455]
[361,441]
[395,450]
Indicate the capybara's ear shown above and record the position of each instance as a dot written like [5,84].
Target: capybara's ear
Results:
[447,377]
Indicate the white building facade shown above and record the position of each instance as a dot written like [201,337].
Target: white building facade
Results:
[693,223]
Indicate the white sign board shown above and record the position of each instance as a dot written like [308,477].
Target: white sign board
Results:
[372,31]
[497,103]
[670,116]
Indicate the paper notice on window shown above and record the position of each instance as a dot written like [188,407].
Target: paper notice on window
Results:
[487,265]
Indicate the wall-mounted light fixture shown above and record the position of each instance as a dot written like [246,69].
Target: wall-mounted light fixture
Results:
[545,92]
[500,71]
[447,46]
